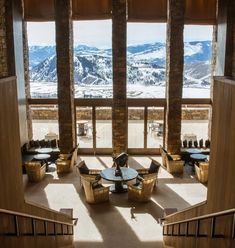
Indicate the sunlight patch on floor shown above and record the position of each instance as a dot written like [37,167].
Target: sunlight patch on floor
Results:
[137,223]
[190,192]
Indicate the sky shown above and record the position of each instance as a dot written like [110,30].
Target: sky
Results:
[99,33]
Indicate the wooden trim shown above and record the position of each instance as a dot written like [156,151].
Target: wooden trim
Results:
[203,217]
[42,101]
[143,151]
[98,151]
[4,211]
[199,101]
[145,126]
[93,102]
[186,209]
[160,102]
[94,128]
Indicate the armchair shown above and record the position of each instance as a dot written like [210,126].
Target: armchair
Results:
[142,191]
[94,192]
[164,154]
[66,162]
[84,171]
[121,160]
[152,170]
[201,171]
[35,170]
[174,165]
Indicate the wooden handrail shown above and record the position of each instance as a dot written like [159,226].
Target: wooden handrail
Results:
[34,217]
[202,217]
[211,233]
[184,210]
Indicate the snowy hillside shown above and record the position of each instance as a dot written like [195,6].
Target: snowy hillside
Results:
[145,65]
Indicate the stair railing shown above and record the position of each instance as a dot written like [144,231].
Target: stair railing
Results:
[169,228]
[66,228]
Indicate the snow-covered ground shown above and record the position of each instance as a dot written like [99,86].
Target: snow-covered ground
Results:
[49,90]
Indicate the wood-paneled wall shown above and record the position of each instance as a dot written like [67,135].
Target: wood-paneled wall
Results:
[221,186]
[11,180]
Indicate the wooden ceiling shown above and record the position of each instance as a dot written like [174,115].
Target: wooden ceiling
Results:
[197,11]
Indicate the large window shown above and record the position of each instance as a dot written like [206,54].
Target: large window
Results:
[42,59]
[146,60]
[93,59]
[195,123]
[197,61]
[45,122]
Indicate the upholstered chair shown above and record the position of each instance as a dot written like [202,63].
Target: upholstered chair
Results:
[66,162]
[142,191]
[84,171]
[201,171]
[152,170]
[94,191]
[121,160]
[174,164]
[164,154]
[35,170]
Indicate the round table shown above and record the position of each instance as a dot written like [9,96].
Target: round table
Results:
[198,157]
[127,174]
[193,150]
[44,150]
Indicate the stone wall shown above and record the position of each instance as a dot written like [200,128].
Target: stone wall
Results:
[52,114]
[3,45]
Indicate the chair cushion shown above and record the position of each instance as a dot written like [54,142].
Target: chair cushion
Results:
[83,169]
[65,156]
[154,166]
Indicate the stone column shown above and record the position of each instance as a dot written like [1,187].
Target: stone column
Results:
[119,111]
[174,74]
[64,53]
[26,77]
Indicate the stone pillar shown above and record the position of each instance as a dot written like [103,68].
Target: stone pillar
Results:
[3,40]
[26,77]
[174,74]
[64,53]
[119,111]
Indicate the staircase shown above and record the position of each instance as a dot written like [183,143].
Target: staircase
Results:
[202,231]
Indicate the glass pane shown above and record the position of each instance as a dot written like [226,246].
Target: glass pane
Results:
[195,123]
[135,127]
[93,74]
[155,127]
[104,127]
[42,59]
[45,122]
[197,61]
[84,127]
[146,60]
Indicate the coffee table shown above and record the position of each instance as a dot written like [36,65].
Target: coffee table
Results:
[127,174]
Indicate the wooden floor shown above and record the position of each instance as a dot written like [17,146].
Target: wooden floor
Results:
[118,223]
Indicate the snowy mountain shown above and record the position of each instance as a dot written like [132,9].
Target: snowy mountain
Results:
[145,65]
